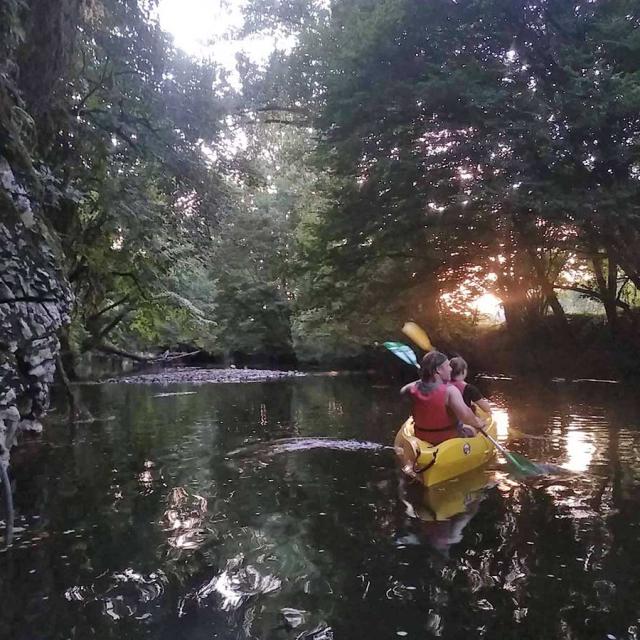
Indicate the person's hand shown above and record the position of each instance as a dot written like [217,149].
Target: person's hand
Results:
[468,431]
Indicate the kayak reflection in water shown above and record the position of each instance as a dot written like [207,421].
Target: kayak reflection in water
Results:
[444,511]
[443,534]
[439,411]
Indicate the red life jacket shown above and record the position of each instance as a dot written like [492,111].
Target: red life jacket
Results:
[433,422]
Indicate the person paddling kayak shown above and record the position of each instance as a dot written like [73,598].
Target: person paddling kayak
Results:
[470,393]
[439,411]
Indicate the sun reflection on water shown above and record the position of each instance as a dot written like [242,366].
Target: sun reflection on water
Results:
[502,422]
[580,450]
[237,583]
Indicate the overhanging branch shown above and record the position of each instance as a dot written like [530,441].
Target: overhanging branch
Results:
[591,293]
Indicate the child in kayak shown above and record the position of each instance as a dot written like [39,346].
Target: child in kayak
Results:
[439,411]
[470,393]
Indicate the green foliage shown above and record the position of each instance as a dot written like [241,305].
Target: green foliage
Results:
[253,252]
[131,151]
[402,150]
[477,142]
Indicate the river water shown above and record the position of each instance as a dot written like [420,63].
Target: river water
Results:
[276,511]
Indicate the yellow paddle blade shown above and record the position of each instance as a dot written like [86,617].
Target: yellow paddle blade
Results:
[413,331]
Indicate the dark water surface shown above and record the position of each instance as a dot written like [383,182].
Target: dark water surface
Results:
[142,525]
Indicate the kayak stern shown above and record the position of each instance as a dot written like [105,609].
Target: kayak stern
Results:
[436,463]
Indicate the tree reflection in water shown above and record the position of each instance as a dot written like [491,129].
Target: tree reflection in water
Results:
[140,527]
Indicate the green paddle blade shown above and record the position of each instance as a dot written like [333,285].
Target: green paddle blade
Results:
[523,465]
[403,352]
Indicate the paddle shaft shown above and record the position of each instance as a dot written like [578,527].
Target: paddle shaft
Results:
[495,443]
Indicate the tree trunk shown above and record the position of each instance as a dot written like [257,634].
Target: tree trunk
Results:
[512,316]
[67,356]
[608,288]
[77,411]
[550,295]
[542,277]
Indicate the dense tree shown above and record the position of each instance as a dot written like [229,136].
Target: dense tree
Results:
[133,150]
[399,151]
[486,138]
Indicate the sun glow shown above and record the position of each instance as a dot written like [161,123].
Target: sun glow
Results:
[212,29]
[489,305]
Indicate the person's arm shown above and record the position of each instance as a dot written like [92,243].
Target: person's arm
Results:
[408,387]
[460,409]
[472,394]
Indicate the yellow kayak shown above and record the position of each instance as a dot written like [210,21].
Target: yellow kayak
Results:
[436,463]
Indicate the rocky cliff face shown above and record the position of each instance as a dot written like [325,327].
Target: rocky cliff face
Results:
[35,301]
[36,44]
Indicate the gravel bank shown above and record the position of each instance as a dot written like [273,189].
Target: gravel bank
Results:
[205,376]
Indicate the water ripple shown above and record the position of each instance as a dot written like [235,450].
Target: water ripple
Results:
[121,594]
[287,445]
[185,520]
[236,584]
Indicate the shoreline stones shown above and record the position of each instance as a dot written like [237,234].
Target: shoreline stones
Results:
[193,375]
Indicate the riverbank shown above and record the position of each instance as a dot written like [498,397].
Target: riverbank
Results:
[588,352]
[194,375]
